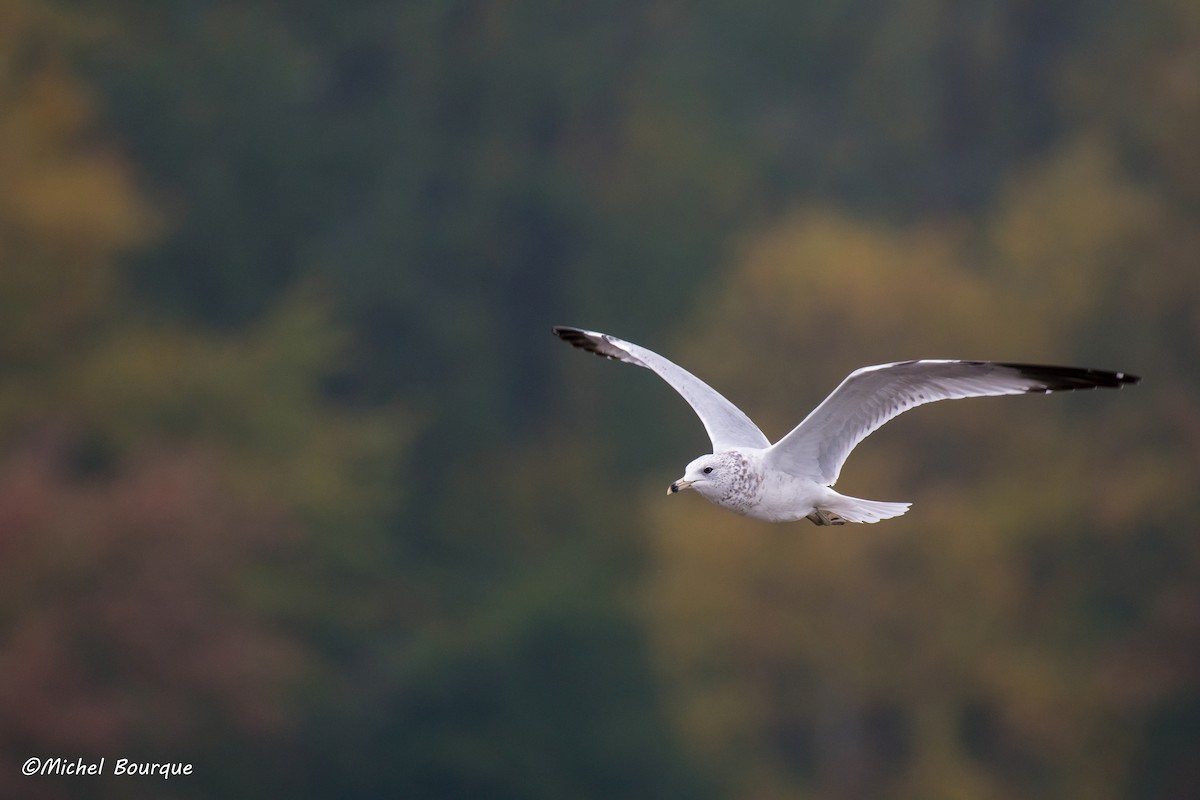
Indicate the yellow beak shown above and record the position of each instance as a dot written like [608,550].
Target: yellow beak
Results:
[678,486]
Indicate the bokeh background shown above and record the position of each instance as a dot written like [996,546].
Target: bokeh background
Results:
[296,486]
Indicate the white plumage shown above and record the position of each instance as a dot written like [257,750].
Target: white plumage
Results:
[791,479]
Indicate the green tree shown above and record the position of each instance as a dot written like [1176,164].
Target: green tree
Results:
[380,204]
[1005,637]
[168,498]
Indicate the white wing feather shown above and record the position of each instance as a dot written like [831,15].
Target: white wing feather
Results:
[869,397]
[727,426]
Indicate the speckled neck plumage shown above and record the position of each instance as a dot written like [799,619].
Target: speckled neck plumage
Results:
[746,486]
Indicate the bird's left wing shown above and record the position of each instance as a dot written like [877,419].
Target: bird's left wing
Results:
[727,426]
[869,397]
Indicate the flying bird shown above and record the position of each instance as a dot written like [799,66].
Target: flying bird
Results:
[792,479]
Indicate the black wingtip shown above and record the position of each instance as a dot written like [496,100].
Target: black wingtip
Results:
[585,340]
[1067,379]
[575,336]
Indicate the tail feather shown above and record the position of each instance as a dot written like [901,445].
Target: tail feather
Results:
[853,509]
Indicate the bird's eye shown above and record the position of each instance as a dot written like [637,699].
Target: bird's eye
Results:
[707,470]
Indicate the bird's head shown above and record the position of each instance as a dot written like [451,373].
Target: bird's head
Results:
[711,475]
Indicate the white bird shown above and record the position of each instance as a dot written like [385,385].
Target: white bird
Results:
[792,479]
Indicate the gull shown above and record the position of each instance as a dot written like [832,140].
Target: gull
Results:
[793,478]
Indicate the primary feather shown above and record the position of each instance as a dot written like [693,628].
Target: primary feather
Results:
[869,397]
[791,479]
[726,424]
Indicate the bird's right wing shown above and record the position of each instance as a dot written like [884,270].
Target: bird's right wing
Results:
[869,397]
[727,426]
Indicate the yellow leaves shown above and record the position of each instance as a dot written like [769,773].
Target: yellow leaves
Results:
[83,201]
[1063,231]
[1066,215]
[46,302]
[142,381]
[61,188]
[827,293]
[170,495]
[68,204]
[975,599]
[76,356]
[819,269]
[255,395]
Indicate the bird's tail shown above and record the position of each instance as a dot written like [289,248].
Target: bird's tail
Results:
[840,509]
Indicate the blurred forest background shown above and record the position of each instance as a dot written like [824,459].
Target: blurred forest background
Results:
[296,486]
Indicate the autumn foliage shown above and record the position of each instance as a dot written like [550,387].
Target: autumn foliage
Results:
[296,486]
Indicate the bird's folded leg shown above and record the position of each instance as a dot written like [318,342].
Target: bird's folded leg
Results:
[820,517]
